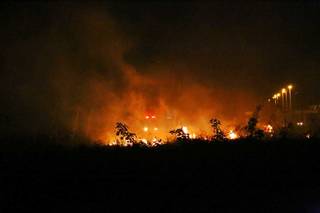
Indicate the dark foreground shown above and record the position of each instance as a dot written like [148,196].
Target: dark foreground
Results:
[279,176]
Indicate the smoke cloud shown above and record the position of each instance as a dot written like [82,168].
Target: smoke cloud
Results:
[74,69]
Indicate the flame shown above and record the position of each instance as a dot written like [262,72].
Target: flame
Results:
[268,128]
[185,129]
[232,135]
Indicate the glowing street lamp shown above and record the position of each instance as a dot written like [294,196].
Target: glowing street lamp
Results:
[290,97]
[274,97]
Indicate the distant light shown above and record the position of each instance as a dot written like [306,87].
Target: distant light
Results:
[290,87]
[278,95]
[308,136]
[283,90]
[232,135]
[300,123]
[155,129]
[145,129]
[153,116]
[147,117]
[185,129]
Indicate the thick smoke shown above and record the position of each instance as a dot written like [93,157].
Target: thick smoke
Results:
[72,74]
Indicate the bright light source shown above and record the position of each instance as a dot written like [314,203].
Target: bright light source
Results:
[193,136]
[155,129]
[147,117]
[300,123]
[278,95]
[232,135]
[268,128]
[145,129]
[153,116]
[290,87]
[112,143]
[283,90]
[143,140]
[185,129]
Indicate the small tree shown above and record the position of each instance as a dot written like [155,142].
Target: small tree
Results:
[124,134]
[218,134]
[251,128]
[179,134]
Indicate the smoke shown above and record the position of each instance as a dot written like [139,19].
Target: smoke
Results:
[69,71]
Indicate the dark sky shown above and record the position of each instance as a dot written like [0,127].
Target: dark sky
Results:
[260,45]
[251,47]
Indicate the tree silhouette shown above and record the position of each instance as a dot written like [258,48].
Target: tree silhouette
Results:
[126,137]
[218,134]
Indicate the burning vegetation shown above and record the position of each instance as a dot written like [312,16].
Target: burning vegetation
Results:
[254,129]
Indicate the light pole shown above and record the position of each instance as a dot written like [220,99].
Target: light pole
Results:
[290,97]
[275,99]
[278,96]
[284,99]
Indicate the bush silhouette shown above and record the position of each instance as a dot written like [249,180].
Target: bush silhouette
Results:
[179,134]
[126,137]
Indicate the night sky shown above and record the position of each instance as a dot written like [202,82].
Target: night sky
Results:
[260,46]
[52,53]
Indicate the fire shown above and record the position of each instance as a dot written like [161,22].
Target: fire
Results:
[232,135]
[193,136]
[185,129]
[268,128]
[145,141]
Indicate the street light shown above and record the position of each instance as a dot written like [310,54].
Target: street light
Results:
[278,96]
[274,97]
[290,97]
[284,98]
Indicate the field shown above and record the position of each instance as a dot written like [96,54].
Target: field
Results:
[269,176]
